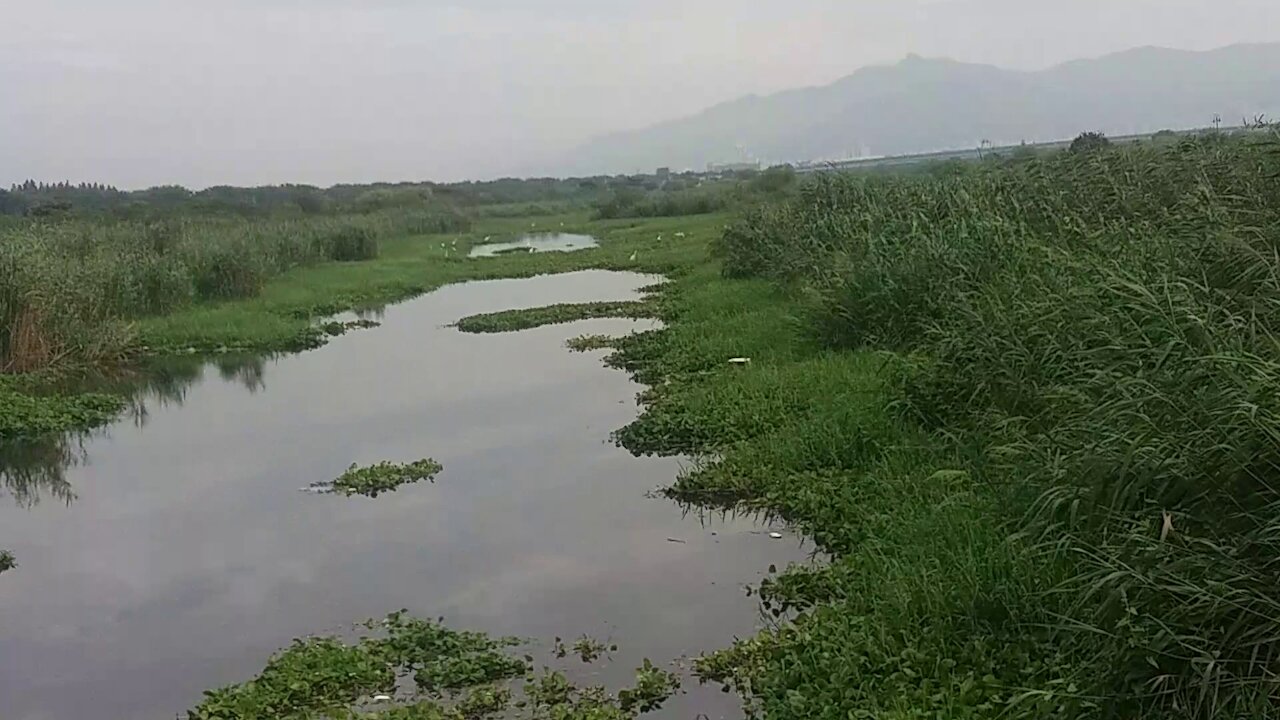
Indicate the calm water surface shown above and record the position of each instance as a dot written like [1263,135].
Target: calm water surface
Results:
[188,555]
[542,242]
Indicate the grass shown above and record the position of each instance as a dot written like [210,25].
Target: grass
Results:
[383,477]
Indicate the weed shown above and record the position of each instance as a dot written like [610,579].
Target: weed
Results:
[7,561]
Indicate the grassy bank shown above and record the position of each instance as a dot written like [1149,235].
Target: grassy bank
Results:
[1030,408]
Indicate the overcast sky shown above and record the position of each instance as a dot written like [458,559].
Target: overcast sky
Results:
[144,92]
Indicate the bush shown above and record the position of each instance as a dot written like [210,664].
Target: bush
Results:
[1089,142]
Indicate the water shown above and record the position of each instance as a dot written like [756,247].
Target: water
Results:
[188,555]
[543,242]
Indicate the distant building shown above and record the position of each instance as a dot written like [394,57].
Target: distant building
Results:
[664,173]
[732,167]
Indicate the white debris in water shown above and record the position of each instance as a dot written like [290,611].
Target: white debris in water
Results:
[739,361]
[775,535]
[381,698]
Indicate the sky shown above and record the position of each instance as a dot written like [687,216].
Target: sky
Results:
[147,92]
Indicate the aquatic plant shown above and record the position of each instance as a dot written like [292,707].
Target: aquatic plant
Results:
[322,676]
[513,320]
[586,343]
[587,648]
[26,414]
[383,477]
[458,675]
[7,561]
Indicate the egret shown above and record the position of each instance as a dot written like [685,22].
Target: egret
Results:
[633,256]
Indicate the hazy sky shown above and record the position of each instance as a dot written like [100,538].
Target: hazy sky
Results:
[143,92]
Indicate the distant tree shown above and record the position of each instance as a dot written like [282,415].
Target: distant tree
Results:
[1089,142]
[50,209]
[1165,135]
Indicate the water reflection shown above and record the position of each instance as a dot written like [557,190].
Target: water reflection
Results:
[545,242]
[34,468]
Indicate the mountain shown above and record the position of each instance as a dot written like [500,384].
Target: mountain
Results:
[920,105]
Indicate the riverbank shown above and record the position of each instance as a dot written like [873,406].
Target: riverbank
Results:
[286,315]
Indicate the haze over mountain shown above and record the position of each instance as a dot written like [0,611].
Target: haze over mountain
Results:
[920,105]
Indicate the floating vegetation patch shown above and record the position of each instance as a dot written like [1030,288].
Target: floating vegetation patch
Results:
[587,648]
[7,561]
[513,320]
[325,677]
[374,480]
[25,415]
[335,328]
[456,675]
[587,343]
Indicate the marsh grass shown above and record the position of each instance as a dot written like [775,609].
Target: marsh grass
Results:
[1064,502]
[69,290]
[384,477]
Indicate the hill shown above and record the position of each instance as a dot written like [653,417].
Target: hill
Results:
[923,104]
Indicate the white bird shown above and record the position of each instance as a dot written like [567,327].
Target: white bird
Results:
[487,238]
[679,234]
[633,256]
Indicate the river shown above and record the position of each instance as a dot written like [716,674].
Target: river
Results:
[187,555]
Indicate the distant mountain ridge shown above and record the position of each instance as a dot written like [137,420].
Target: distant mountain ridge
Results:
[920,104]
